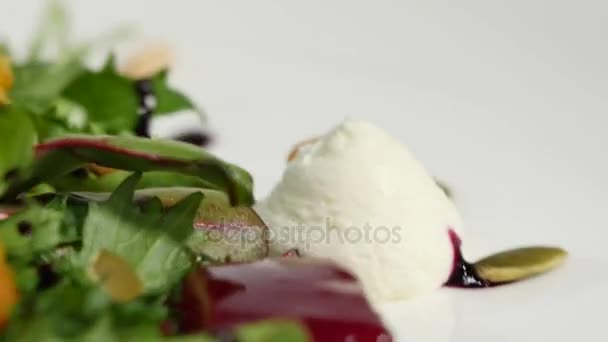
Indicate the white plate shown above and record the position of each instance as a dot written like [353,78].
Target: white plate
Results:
[506,101]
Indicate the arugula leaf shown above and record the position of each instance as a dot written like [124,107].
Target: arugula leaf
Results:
[77,312]
[112,103]
[29,233]
[60,156]
[223,233]
[272,331]
[145,235]
[18,138]
[63,117]
[108,97]
[150,240]
[92,182]
[73,311]
[168,100]
[193,338]
[38,85]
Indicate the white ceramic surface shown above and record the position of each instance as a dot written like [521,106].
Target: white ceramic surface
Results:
[504,100]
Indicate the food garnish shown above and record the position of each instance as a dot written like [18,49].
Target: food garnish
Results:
[109,233]
[357,196]
[519,263]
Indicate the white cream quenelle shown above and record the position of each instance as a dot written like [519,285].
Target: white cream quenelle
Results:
[359,197]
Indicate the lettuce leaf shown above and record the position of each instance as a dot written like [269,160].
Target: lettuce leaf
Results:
[18,137]
[148,238]
[169,100]
[39,85]
[39,229]
[73,311]
[57,158]
[108,98]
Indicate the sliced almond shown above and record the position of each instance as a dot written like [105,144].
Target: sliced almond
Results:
[149,61]
[520,263]
[116,276]
[296,149]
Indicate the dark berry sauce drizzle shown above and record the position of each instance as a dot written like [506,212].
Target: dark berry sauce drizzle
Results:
[463,274]
[147,104]
[198,139]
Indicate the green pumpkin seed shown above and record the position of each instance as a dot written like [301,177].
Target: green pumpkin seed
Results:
[520,263]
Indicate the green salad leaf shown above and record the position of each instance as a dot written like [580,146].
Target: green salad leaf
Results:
[111,101]
[103,268]
[73,311]
[272,331]
[59,157]
[92,182]
[18,136]
[150,231]
[39,85]
[168,100]
[148,236]
[39,229]
[108,98]
[151,240]
[62,118]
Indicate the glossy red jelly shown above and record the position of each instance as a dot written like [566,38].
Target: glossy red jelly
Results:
[325,298]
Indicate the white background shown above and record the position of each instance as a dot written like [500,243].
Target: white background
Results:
[505,100]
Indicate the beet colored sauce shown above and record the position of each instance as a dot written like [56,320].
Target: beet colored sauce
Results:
[326,299]
[463,274]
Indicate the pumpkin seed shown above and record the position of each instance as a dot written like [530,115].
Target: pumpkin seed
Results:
[116,276]
[519,263]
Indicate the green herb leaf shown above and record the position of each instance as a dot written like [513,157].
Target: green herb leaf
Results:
[272,331]
[148,239]
[38,229]
[73,311]
[168,100]
[108,182]
[16,149]
[222,233]
[108,97]
[58,157]
[38,85]
[62,118]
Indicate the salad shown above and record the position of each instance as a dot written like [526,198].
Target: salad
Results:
[111,230]
[107,234]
